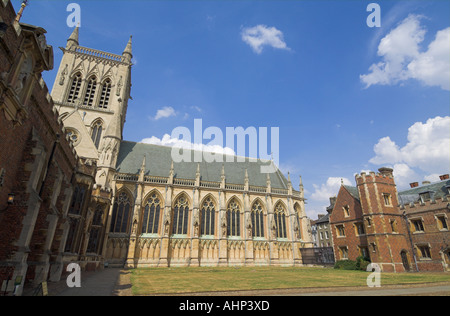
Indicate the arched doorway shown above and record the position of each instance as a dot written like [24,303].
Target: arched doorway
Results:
[405,261]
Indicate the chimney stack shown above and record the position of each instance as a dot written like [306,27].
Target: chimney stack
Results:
[389,172]
[414,184]
[444,177]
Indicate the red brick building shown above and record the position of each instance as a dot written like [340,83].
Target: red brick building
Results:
[40,172]
[401,231]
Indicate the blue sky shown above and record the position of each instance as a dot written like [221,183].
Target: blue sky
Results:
[346,97]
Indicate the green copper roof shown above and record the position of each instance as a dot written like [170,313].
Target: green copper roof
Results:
[159,160]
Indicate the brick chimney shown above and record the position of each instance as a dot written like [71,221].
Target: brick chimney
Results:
[414,184]
[389,172]
[444,177]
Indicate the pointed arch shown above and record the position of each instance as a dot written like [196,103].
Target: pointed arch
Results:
[96,131]
[234,207]
[105,93]
[257,217]
[122,210]
[74,89]
[280,219]
[180,214]
[152,212]
[90,91]
[208,208]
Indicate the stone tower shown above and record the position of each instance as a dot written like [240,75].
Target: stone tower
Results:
[91,92]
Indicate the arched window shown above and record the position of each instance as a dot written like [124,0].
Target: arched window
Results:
[280,221]
[74,88]
[233,219]
[180,216]
[90,92]
[97,129]
[257,220]
[208,217]
[151,215]
[106,92]
[120,214]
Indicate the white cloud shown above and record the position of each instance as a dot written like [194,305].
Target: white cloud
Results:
[167,140]
[402,59]
[328,189]
[404,175]
[165,112]
[261,35]
[428,148]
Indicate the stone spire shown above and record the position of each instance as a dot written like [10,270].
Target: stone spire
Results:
[128,52]
[73,39]
[142,170]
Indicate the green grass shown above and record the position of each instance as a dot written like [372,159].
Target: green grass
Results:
[148,281]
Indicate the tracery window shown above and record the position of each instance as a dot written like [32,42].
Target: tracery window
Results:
[151,215]
[74,88]
[97,129]
[90,92]
[280,220]
[208,217]
[180,216]
[233,218]
[96,229]
[120,214]
[106,93]
[257,217]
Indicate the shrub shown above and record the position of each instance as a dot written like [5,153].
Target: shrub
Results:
[362,263]
[345,265]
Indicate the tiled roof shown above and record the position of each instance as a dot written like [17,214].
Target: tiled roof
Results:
[159,159]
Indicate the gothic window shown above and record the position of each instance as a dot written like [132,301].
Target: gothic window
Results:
[97,129]
[151,215]
[180,216]
[120,214]
[73,136]
[71,236]
[74,88]
[90,92]
[106,92]
[77,200]
[280,221]
[257,220]
[96,228]
[233,219]
[208,217]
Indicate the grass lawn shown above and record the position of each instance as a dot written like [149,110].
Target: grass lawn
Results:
[147,281]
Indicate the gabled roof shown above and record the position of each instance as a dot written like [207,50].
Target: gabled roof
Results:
[159,160]
[353,191]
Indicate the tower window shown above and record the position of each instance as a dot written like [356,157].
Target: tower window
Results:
[90,92]
[74,89]
[97,133]
[106,92]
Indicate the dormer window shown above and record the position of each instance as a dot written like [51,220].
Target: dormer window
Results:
[425,196]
